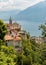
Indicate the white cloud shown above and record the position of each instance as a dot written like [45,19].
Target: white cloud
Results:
[17,4]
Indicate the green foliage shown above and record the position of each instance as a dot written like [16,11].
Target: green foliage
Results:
[32,53]
[43,53]
[3,29]
[43,28]
[28,35]
[7,55]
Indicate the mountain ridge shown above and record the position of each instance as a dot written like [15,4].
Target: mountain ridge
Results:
[34,12]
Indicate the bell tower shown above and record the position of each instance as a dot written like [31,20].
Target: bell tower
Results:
[10,20]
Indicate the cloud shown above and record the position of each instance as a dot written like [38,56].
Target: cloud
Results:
[17,4]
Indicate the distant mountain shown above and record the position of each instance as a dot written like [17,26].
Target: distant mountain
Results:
[6,14]
[34,13]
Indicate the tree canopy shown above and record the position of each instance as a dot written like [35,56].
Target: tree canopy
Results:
[3,29]
[43,28]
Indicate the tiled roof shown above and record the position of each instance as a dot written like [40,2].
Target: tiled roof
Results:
[21,32]
[8,37]
[17,38]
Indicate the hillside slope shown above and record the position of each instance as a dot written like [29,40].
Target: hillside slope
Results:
[34,13]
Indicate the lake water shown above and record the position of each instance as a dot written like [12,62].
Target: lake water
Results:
[31,27]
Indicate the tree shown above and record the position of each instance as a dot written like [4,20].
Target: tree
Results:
[43,53]
[43,28]
[3,29]
[8,56]
[28,35]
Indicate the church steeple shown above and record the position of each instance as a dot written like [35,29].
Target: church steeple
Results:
[10,20]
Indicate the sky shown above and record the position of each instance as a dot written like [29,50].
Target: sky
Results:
[17,4]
